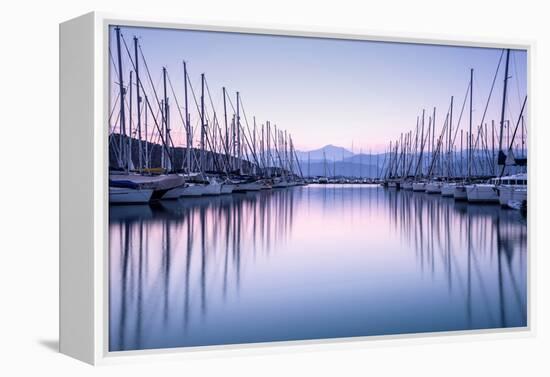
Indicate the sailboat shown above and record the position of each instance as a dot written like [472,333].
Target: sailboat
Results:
[129,179]
[513,191]
[489,192]
[461,189]
[433,187]
[127,192]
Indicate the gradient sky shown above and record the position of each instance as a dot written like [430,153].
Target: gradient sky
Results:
[328,91]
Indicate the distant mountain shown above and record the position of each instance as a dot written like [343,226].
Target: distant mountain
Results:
[332,153]
[366,158]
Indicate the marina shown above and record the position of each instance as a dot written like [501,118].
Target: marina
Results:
[227,228]
[236,156]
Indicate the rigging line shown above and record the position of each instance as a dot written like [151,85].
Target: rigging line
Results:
[115,125]
[209,140]
[461,113]
[215,123]
[197,105]
[248,129]
[223,141]
[166,143]
[489,97]
[182,118]
[112,59]
[113,109]
[517,76]
[277,150]
[148,75]
[231,103]
[146,97]
[517,124]
[153,138]
[415,148]
[193,93]
[509,109]
[435,154]
[237,125]
[480,128]
[175,99]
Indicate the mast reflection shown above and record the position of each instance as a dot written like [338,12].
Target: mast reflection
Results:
[178,267]
[172,281]
[465,244]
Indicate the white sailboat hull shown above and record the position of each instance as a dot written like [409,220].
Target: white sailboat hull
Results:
[482,193]
[460,192]
[448,189]
[248,186]
[175,193]
[280,184]
[121,195]
[214,188]
[393,185]
[419,186]
[509,194]
[193,190]
[227,188]
[433,188]
[160,184]
[407,186]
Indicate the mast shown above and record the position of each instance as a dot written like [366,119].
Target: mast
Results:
[461,157]
[493,145]
[122,92]
[254,138]
[308,164]
[202,124]
[138,102]
[449,146]
[285,160]
[419,164]
[262,147]
[276,144]
[501,155]
[165,118]
[390,167]
[433,137]
[233,143]
[188,133]
[161,132]
[238,125]
[269,162]
[225,122]
[428,144]
[522,137]
[470,151]
[129,145]
[146,137]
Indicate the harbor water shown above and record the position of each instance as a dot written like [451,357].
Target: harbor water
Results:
[311,262]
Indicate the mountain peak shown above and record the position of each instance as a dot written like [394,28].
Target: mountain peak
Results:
[330,152]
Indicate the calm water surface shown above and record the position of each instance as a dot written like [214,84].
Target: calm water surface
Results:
[320,261]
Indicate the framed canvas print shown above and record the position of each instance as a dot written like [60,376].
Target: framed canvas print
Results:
[225,187]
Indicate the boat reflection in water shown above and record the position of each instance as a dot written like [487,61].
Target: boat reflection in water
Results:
[320,261]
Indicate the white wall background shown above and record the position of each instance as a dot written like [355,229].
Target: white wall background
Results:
[29,188]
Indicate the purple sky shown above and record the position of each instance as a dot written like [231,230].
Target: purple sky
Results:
[328,91]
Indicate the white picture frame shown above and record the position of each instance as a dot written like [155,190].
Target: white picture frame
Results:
[84,194]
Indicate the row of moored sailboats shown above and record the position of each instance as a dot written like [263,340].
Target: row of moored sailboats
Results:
[146,165]
[422,161]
